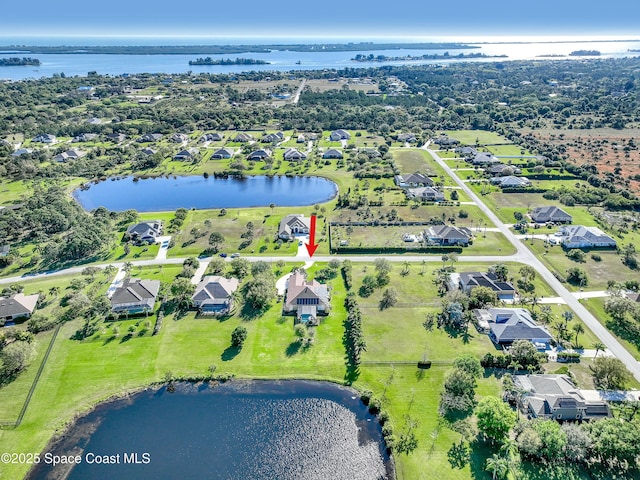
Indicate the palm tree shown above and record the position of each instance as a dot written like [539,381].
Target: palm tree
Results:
[405,268]
[272,206]
[498,466]
[600,347]
[424,264]
[577,329]
[54,291]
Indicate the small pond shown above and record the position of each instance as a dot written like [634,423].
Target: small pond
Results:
[169,193]
[238,430]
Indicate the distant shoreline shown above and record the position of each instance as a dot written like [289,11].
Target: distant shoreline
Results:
[226,49]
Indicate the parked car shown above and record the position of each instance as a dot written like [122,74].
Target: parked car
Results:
[223,255]
[235,255]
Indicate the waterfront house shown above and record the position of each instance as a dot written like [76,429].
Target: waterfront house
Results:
[135,296]
[260,154]
[188,154]
[222,153]
[291,154]
[293,225]
[307,299]
[214,295]
[17,307]
[144,231]
[550,214]
[72,154]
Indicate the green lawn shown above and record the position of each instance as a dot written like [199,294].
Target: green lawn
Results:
[482,137]
[609,268]
[596,307]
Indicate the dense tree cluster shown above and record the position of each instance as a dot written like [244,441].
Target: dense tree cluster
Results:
[61,228]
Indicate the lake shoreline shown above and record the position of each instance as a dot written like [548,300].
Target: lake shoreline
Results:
[72,439]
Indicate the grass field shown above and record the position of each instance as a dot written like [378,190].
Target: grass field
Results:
[609,268]
[481,137]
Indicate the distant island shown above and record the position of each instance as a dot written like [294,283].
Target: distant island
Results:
[585,53]
[227,61]
[435,56]
[19,62]
[226,49]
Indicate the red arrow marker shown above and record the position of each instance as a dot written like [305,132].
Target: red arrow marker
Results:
[311,246]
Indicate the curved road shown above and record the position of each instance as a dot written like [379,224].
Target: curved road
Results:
[525,255]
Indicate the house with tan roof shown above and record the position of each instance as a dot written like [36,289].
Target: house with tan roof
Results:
[17,307]
[307,299]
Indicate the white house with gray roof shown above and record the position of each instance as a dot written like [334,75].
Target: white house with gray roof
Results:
[339,134]
[294,225]
[447,235]
[223,153]
[579,236]
[426,194]
[214,295]
[332,153]
[145,231]
[294,154]
[135,296]
[511,181]
[413,180]
[556,397]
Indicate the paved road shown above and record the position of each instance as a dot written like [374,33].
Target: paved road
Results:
[296,97]
[524,255]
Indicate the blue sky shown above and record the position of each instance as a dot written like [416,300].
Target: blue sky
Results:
[349,18]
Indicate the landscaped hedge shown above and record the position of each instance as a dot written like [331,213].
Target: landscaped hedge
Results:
[393,250]
[524,190]
[569,357]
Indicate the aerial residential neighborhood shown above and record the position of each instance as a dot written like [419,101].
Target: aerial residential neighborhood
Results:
[462,264]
